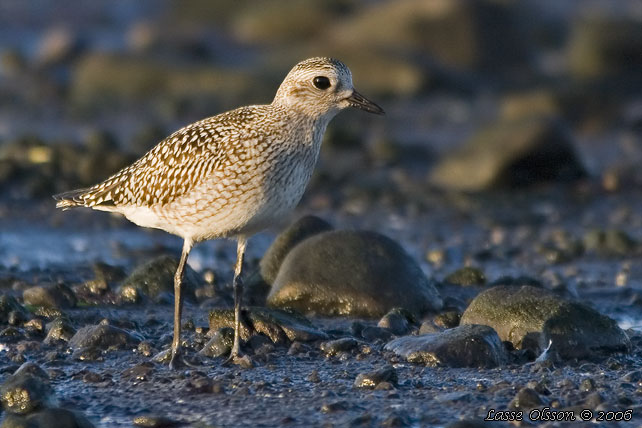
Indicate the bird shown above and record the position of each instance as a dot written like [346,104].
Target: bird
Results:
[230,175]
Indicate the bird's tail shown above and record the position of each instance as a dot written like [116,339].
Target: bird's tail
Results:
[71,199]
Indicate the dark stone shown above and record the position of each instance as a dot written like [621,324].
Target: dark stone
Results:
[448,319]
[609,243]
[371,334]
[397,321]
[59,330]
[534,315]
[526,399]
[157,277]
[336,406]
[428,327]
[314,377]
[514,153]
[105,276]
[103,337]
[279,325]
[55,296]
[259,283]
[374,378]
[139,372]
[353,273]
[220,344]
[466,276]
[11,335]
[153,421]
[464,346]
[25,392]
[9,305]
[587,385]
[334,347]
[57,418]
[604,45]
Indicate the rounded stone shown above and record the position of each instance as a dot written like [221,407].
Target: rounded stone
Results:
[259,282]
[24,392]
[102,337]
[157,277]
[463,346]
[300,230]
[355,273]
[529,315]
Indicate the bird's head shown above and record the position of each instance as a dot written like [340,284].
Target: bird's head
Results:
[321,87]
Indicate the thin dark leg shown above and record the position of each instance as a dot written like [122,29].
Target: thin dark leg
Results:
[178,305]
[238,295]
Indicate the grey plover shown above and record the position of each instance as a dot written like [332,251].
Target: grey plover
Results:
[230,175]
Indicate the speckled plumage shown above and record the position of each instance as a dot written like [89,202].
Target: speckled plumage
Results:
[232,174]
[228,174]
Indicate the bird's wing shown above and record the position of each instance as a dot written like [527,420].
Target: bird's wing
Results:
[172,168]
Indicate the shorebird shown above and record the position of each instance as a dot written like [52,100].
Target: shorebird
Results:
[230,175]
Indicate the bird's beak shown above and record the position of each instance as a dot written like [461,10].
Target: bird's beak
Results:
[359,101]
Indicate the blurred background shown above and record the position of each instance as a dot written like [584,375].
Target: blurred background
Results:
[480,95]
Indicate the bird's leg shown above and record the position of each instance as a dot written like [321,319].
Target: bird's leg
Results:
[238,295]
[178,305]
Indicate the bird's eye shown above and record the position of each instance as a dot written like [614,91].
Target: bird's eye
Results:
[321,82]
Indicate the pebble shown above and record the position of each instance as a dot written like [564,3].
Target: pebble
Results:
[103,337]
[397,321]
[463,346]
[55,296]
[23,392]
[334,347]
[375,378]
[526,399]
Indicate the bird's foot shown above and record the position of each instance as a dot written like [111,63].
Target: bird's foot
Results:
[238,359]
[176,360]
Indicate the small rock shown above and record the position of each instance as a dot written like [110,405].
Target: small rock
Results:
[157,277]
[24,392]
[57,45]
[314,376]
[428,327]
[334,347]
[11,335]
[526,399]
[532,315]
[511,153]
[56,296]
[448,319]
[593,400]
[587,385]
[103,337]
[152,421]
[220,344]
[355,273]
[609,243]
[463,346]
[59,330]
[601,44]
[370,334]
[336,406]
[305,227]
[9,305]
[105,276]
[140,372]
[145,349]
[397,320]
[373,379]
[279,325]
[466,276]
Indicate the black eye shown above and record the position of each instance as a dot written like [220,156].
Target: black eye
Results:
[321,82]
